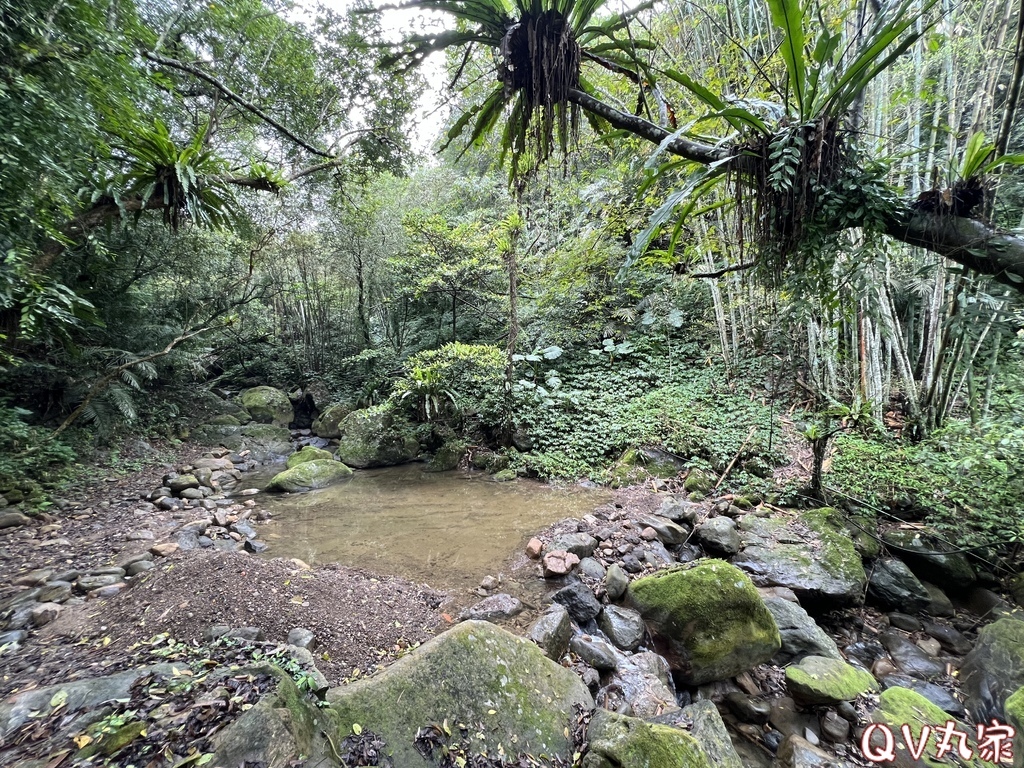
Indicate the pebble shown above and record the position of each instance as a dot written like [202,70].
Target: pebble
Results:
[534,548]
[559,563]
[302,638]
[834,728]
[929,645]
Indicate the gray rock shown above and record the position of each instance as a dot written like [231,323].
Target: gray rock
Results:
[833,577]
[216,631]
[801,636]
[643,682]
[749,709]
[205,542]
[910,659]
[187,540]
[937,695]
[668,531]
[13,637]
[140,566]
[904,621]
[551,631]
[679,510]
[579,600]
[254,545]
[623,626]
[13,519]
[939,604]
[619,740]
[192,494]
[249,634]
[615,582]
[895,586]
[227,545]
[55,592]
[798,752]
[243,528]
[596,652]
[302,638]
[592,568]
[718,536]
[948,570]
[493,608]
[89,583]
[580,544]
[950,639]
[80,695]
[834,727]
[655,554]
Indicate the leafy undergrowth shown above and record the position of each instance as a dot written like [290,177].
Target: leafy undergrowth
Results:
[965,481]
[602,406]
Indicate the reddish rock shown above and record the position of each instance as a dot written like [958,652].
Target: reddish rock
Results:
[165,549]
[559,563]
[648,534]
[534,548]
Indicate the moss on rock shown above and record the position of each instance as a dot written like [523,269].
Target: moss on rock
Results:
[308,453]
[328,423]
[821,680]
[617,740]
[502,686]
[901,706]
[267,405]
[376,437]
[707,618]
[309,476]
[447,457]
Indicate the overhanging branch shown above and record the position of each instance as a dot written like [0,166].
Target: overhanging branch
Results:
[248,106]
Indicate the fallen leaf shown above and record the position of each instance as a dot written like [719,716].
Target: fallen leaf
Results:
[357,728]
[59,699]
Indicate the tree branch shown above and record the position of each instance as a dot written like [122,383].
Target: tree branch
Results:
[195,71]
[968,242]
[722,271]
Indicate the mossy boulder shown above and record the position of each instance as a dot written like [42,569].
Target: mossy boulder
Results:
[309,476]
[811,554]
[328,423]
[227,435]
[225,420]
[994,669]
[501,685]
[707,619]
[210,402]
[698,481]
[617,740]
[660,463]
[1014,713]
[268,405]
[265,441]
[627,471]
[901,706]
[308,453]
[282,729]
[821,680]
[376,437]
[447,457]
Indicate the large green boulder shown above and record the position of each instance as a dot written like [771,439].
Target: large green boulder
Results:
[309,476]
[1014,713]
[328,423]
[617,741]
[503,687]
[308,453]
[994,669]
[227,435]
[267,405]
[821,680]
[707,619]
[376,437]
[902,707]
[811,553]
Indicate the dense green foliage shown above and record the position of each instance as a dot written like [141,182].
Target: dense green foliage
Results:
[226,195]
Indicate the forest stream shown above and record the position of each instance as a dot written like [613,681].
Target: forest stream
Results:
[447,529]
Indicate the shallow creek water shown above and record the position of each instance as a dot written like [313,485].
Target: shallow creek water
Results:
[445,529]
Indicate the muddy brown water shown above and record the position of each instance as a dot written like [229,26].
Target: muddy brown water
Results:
[445,529]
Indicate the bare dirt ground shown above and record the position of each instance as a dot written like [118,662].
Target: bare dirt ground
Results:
[360,619]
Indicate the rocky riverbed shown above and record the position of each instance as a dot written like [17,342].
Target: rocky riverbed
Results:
[660,631]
